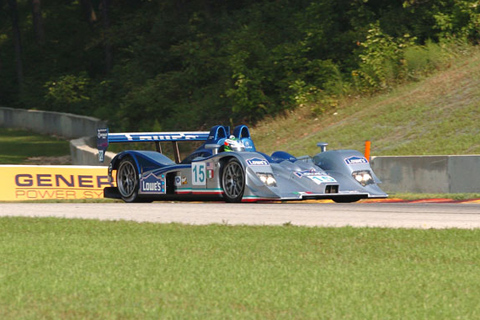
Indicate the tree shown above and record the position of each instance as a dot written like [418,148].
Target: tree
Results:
[38,22]
[17,40]
[88,12]
[106,35]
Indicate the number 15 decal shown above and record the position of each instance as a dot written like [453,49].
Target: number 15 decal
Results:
[199,176]
[321,179]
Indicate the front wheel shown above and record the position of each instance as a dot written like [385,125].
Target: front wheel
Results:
[233,181]
[127,180]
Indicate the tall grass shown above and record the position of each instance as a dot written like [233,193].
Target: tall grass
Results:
[423,60]
[74,269]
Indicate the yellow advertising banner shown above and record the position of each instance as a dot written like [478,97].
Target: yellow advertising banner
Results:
[20,183]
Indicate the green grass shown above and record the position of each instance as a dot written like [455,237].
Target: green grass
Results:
[438,115]
[16,146]
[419,196]
[83,269]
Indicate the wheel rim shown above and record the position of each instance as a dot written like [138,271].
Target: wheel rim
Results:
[233,181]
[126,179]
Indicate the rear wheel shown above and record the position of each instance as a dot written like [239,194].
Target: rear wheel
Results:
[127,180]
[233,181]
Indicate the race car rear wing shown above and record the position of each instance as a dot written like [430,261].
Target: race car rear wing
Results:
[104,138]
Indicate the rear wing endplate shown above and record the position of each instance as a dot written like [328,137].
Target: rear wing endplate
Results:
[104,138]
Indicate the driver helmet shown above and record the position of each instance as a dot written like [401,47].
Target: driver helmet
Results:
[233,144]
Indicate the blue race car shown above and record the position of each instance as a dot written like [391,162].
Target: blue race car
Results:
[227,167]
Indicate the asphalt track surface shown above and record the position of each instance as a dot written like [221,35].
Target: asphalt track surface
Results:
[389,215]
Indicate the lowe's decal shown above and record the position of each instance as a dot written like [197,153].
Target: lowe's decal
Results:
[152,184]
[257,162]
[177,136]
[356,160]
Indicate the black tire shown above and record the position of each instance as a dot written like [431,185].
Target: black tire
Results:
[127,180]
[346,199]
[233,181]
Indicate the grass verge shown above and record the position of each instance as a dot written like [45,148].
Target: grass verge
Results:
[81,269]
[419,196]
[16,146]
[438,115]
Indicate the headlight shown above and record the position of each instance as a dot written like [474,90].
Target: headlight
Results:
[267,178]
[363,177]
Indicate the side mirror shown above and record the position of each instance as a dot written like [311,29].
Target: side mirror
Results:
[323,146]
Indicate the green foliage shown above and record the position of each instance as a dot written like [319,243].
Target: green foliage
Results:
[197,63]
[247,92]
[422,60]
[382,59]
[461,19]
[68,93]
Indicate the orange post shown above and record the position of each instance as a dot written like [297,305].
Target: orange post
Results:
[367,150]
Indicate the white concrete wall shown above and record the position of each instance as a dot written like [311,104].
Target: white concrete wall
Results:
[428,174]
[83,154]
[65,125]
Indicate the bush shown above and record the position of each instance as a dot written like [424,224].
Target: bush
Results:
[382,60]
[422,60]
[68,93]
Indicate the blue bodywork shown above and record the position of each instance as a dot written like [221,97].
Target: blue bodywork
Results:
[341,175]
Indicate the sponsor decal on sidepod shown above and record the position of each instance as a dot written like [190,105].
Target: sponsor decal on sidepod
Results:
[153,184]
[356,160]
[257,162]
